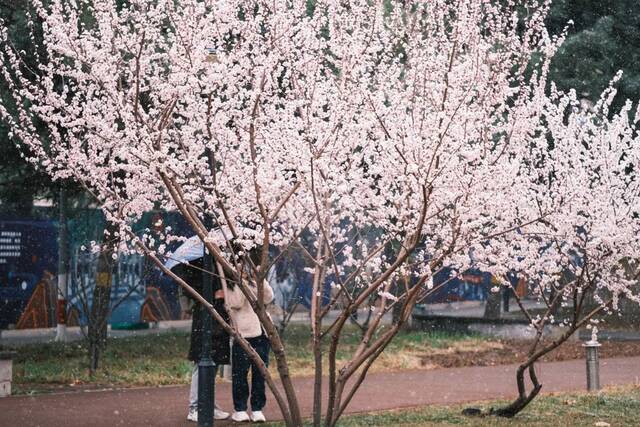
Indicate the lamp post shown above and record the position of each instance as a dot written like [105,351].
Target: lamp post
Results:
[593,365]
[206,365]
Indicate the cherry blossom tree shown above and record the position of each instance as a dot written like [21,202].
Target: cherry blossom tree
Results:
[581,258]
[396,137]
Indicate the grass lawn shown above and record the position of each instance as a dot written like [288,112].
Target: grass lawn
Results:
[405,351]
[614,407]
[136,361]
[161,359]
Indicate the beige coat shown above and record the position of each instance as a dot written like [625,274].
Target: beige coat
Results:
[242,315]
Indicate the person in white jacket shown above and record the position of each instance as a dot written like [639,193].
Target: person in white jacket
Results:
[248,325]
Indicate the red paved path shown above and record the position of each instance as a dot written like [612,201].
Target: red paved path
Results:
[165,406]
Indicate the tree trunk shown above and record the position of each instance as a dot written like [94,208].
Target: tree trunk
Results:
[523,398]
[100,307]
[63,268]
[317,383]
[396,311]
[316,322]
[492,308]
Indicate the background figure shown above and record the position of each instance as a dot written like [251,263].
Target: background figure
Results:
[248,325]
[192,274]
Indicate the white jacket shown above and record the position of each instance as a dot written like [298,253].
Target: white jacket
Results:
[242,315]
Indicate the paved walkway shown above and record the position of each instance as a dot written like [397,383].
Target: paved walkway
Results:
[165,406]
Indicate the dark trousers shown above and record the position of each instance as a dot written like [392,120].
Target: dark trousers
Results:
[241,362]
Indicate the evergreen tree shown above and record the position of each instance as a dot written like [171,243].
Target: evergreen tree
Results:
[20,182]
[604,38]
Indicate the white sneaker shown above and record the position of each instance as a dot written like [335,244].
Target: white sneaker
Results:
[217,415]
[258,417]
[240,416]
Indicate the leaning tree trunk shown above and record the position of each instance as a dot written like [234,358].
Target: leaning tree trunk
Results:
[98,318]
[523,398]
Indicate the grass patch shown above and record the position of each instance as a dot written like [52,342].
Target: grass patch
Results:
[134,361]
[405,351]
[160,359]
[616,407]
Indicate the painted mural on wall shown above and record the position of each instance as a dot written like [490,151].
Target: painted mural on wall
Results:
[140,291]
[28,260]
[28,282]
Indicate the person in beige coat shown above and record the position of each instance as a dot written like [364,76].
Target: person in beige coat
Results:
[248,325]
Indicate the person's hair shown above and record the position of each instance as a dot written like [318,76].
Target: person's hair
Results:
[253,254]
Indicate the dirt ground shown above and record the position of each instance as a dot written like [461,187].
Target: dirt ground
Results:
[513,351]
